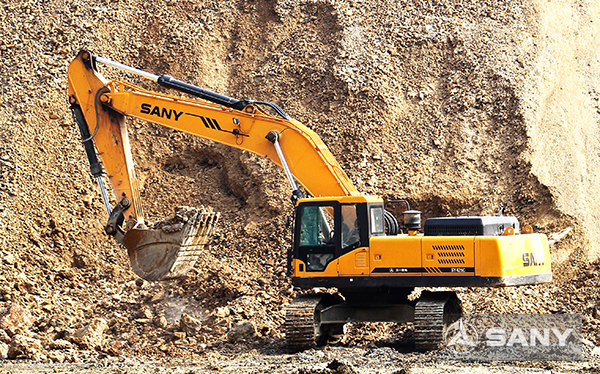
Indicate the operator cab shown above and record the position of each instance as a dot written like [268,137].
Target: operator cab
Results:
[325,229]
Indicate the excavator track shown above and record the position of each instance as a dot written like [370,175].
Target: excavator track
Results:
[434,312]
[302,323]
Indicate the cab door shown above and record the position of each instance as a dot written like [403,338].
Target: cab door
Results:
[354,250]
[316,239]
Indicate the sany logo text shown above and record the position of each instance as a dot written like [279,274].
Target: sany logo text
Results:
[498,337]
[160,112]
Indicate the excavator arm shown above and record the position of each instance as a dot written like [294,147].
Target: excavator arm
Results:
[100,106]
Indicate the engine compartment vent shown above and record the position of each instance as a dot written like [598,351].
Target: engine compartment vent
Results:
[450,254]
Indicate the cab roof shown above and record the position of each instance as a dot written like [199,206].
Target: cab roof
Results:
[342,199]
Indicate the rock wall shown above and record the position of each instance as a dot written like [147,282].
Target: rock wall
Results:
[560,109]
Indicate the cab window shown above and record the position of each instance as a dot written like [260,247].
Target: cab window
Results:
[317,236]
[376,217]
[316,226]
[350,227]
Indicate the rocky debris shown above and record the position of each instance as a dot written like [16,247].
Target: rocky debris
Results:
[92,335]
[222,312]
[190,325]
[56,356]
[4,337]
[145,313]
[3,351]
[160,322]
[23,346]
[334,367]
[338,367]
[241,331]
[60,344]
[175,222]
[15,319]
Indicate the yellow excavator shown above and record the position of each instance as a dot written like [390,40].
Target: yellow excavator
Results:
[343,241]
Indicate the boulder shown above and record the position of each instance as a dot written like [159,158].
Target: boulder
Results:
[190,325]
[92,335]
[22,346]
[241,331]
[15,319]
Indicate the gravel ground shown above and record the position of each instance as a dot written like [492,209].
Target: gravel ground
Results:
[326,361]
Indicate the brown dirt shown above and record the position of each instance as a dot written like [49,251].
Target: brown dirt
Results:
[469,108]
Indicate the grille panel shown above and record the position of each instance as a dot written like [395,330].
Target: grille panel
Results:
[450,254]
[361,260]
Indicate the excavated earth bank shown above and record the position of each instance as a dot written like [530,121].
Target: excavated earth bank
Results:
[460,107]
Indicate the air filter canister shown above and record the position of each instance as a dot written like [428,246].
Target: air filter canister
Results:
[412,219]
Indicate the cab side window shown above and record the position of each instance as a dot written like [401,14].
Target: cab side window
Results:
[350,227]
[377,223]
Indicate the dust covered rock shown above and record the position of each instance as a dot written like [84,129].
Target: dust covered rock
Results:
[160,322]
[190,325]
[3,350]
[334,367]
[56,356]
[60,344]
[338,367]
[15,319]
[4,337]
[91,335]
[23,347]
[241,331]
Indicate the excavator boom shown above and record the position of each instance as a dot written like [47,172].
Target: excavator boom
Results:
[248,129]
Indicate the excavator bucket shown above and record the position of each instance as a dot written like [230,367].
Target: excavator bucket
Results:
[170,250]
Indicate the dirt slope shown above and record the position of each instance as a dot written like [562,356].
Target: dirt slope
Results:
[460,107]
